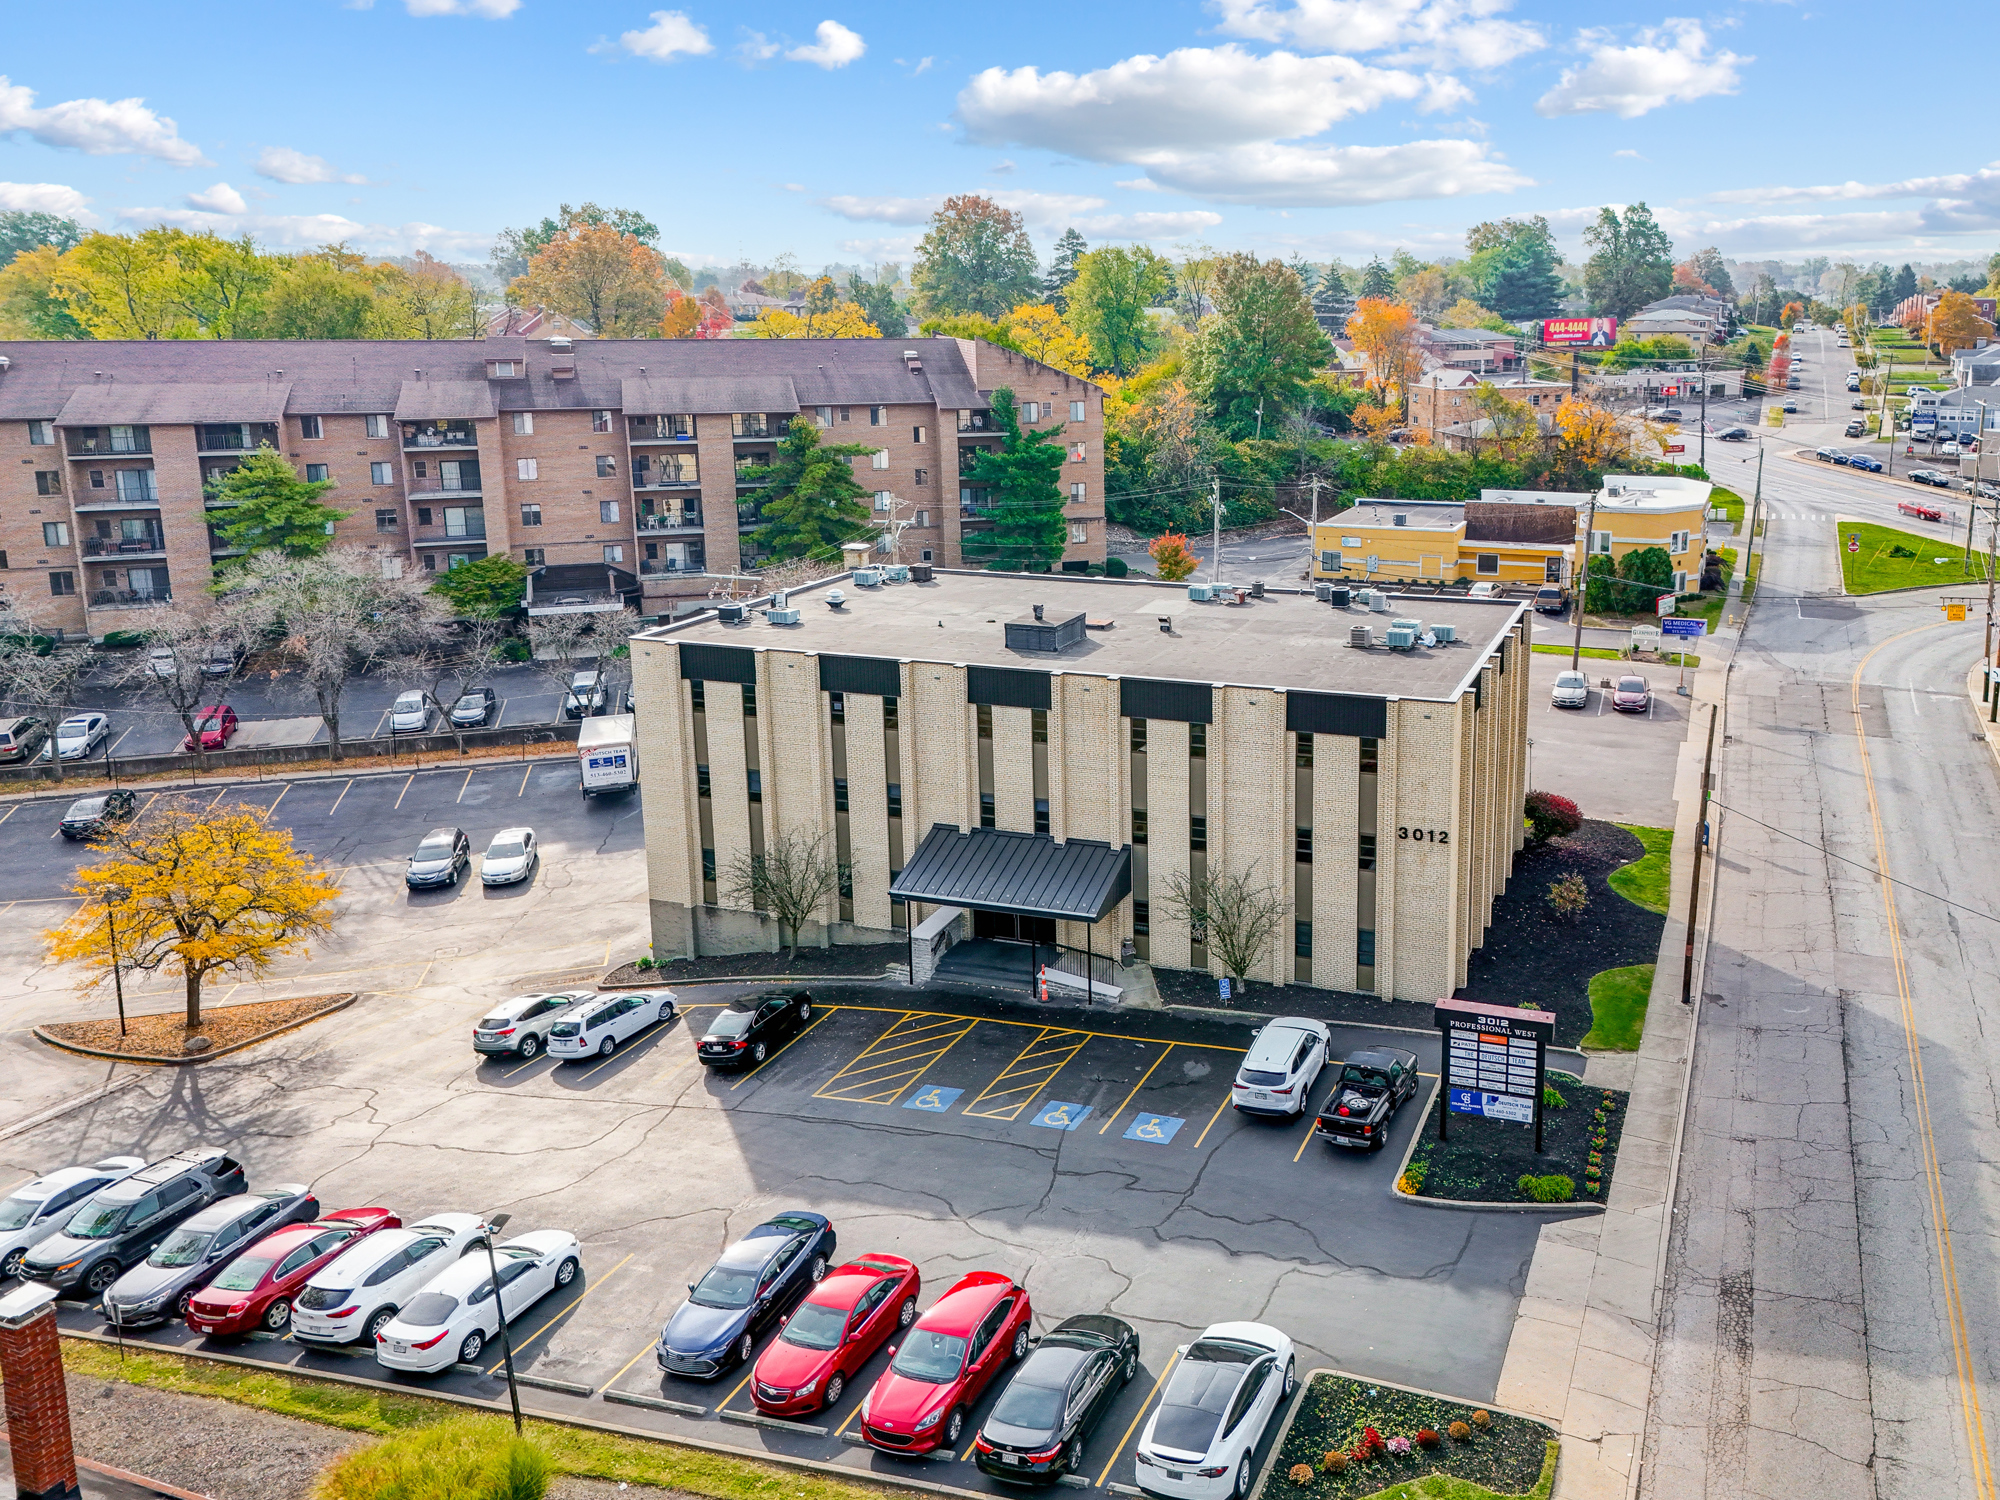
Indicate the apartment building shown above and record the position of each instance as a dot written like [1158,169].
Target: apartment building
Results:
[1036,760]
[617,454]
[1448,398]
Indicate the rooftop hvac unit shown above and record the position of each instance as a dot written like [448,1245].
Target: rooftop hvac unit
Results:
[1401,638]
[921,573]
[1361,635]
[1257,589]
[1380,602]
[1042,632]
[730,614]
[1203,592]
[896,573]
[1416,625]
[1401,518]
[1445,634]
[1338,598]
[868,578]
[779,598]
[781,617]
[1322,592]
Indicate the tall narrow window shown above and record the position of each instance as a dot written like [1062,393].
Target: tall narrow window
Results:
[1367,857]
[1041,815]
[1302,846]
[1038,722]
[986,812]
[701,787]
[895,799]
[697,692]
[1370,750]
[1364,948]
[1302,939]
[1197,833]
[1302,756]
[1138,825]
[749,699]
[838,703]
[1142,918]
[1198,741]
[984,715]
[888,713]
[840,794]
[756,784]
[1138,736]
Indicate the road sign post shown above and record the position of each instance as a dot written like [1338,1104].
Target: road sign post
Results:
[1494,1062]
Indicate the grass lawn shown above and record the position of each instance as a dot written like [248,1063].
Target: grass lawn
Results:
[1729,503]
[1644,881]
[1872,569]
[1618,1008]
[1600,651]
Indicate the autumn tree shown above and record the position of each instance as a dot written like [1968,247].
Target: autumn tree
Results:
[425,299]
[30,305]
[810,502]
[319,296]
[514,248]
[1706,264]
[823,316]
[1588,440]
[1955,323]
[1385,335]
[1108,300]
[1426,291]
[1024,478]
[197,893]
[614,283]
[262,504]
[37,673]
[1171,558]
[688,317]
[1039,332]
[975,257]
[1250,362]
[1631,262]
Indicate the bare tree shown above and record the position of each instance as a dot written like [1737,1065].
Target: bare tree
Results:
[451,660]
[334,616]
[562,642]
[791,879]
[192,656]
[41,681]
[1233,914]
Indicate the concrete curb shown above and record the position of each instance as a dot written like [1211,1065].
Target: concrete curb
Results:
[1979,713]
[70,789]
[182,1062]
[1396,1191]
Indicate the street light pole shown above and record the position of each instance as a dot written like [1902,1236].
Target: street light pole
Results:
[1215,521]
[112,896]
[1583,584]
[494,1225]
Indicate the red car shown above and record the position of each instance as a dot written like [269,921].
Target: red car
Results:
[833,1333]
[255,1289]
[1920,510]
[1633,695]
[214,725]
[944,1362]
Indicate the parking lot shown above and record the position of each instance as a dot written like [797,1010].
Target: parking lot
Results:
[1617,766]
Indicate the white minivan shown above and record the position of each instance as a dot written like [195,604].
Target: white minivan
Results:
[596,1028]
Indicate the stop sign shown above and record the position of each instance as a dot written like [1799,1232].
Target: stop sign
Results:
[1854,544]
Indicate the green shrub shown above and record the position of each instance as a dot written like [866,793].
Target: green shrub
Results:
[1552,1098]
[119,639]
[514,649]
[1114,567]
[1554,1188]
[467,1458]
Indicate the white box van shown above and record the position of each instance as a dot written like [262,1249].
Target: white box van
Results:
[607,754]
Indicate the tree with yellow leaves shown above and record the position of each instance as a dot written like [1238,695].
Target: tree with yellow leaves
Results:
[1386,335]
[1039,332]
[1171,556]
[823,315]
[195,893]
[592,273]
[1955,323]
[1588,439]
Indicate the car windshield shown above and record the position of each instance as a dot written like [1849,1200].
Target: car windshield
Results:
[86,807]
[815,1327]
[1631,684]
[471,700]
[408,702]
[1033,1406]
[1570,679]
[726,1287]
[17,1211]
[730,1023]
[434,846]
[932,1357]
[181,1248]
[506,849]
[241,1274]
[429,1309]
[96,1221]
[73,727]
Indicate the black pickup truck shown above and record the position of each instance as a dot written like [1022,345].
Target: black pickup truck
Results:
[1372,1083]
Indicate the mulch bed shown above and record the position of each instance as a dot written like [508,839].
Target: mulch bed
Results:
[165,1033]
[1531,953]
[868,959]
[1484,1160]
[1512,1456]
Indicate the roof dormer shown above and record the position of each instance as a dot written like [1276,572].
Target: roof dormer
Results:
[506,369]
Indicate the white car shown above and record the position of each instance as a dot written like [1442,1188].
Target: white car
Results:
[78,736]
[1572,690]
[510,857]
[521,1025]
[38,1208]
[1945,450]
[596,1027]
[356,1294]
[585,695]
[160,661]
[1201,1442]
[1279,1070]
[410,714]
[451,1319]
[1483,591]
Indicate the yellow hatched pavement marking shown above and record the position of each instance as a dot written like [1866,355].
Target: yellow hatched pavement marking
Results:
[1028,1073]
[896,1059]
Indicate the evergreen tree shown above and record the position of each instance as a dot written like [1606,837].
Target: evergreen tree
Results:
[271,509]
[1024,477]
[813,503]
[1062,269]
[1307,273]
[878,304]
[483,589]
[1905,285]
[1376,280]
[1332,303]
[23,229]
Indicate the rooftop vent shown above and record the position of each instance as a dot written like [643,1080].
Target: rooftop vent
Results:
[561,344]
[1400,518]
[1360,636]
[729,614]
[1036,633]
[921,573]
[835,599]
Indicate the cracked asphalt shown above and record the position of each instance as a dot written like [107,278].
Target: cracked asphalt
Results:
[1161,1205]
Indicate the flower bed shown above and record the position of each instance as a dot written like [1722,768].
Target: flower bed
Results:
[1352,1438]
[1486,1160]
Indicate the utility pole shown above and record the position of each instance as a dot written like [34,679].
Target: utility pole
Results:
[1756,507]
[1700,844]
[1972,505]
[1701,369]
[1887,423]
[1215,522]
[1583,585]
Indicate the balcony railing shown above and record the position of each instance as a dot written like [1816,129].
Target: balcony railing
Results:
[124,546]
[759,424]
[235,437]
[668,429]
[650,567]
[439,435]
[129,598]
[978,421]
[672,472]
[443,535]
[686,520]
[100,442]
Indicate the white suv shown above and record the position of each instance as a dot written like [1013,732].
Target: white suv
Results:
[585,696]
[1281,1067]
[37,1209]
[355,1296]
[596,1027]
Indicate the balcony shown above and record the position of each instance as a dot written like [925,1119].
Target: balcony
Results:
[449,478]
[99,501]
[446,536]
[148,543]
[759,424]
[129,598]
[668,471]
[978,421]
[655,525]
[660,567]
[102,442]
[426,435]
[235,437]
[669,429]
[219,547]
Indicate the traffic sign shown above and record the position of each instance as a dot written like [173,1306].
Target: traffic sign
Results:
[1954,611]
[1679,626]
[1853,543]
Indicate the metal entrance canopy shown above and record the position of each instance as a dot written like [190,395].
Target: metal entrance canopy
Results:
[991,869]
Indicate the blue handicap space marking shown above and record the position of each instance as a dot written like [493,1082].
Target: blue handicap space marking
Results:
[930,1096]
[1059,1116]
[1159,1129]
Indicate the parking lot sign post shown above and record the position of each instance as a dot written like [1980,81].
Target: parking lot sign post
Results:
[1494,1062]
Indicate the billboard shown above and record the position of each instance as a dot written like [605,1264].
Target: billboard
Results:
[1597,333]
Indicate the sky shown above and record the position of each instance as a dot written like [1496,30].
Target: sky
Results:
[1322,128]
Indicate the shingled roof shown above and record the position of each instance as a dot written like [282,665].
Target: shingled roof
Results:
[1520,525]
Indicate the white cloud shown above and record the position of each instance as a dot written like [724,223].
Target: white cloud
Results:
[756,47]
[96,127]
[220,199]
[307,231]
[1196,98]
[486,10]
[1269,174]
[283,164]
[43,198]
[881,210]
[1037,210]
[1468,33]
[1635,156]
[1669,64]
[1909,187]
[1139,185]
[836,47]
[671,34]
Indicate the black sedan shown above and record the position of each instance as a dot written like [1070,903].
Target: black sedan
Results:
[1932,477]
[1037,1429]
[754,1027]
[443,855]
[1372,1084]
[473,708]
[1733,435]
[90,816]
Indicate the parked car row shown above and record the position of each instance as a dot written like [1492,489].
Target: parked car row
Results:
[1632,694]
[444,854]
[584,1023]
[1849,460]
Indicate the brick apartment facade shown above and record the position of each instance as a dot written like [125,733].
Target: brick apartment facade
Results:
[608,453]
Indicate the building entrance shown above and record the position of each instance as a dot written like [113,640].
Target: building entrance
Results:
[1013,927]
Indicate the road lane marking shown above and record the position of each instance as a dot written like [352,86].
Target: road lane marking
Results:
[1137,1419]
[1135,1089]
[526,771]
[400,795]
[739,1385]
[119,741]
[461,789]
[1032,1070]
[658,1028]
[588,1289]
[336,801]
[1212,1119]
[773,1057]
[897,1058]
[650,1344]
[274,805]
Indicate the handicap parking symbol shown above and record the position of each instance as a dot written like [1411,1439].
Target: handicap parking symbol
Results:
[931,1097]
[1158,1129]
[1057,1116]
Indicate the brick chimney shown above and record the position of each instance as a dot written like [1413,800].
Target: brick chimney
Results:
[37,1403]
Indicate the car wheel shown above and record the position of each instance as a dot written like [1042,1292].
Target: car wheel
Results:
[1291,1378]
[566,1272]
[805,1011]
[1242,1488]
[908,1315]
[608,1046]
[1020,1348]
[745,1347]
[277,1315]
[11,1266]
[468,1352]
[759,1052]
[452,878]
[835,1386]
[954,1427]
[1076,1456]
[1131,1368]
[182,1303]
[818,1269]
[101,1276]
[381,1320]
[530,1045]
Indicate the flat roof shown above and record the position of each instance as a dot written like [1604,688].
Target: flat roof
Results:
[1421,515]
[1284,641]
